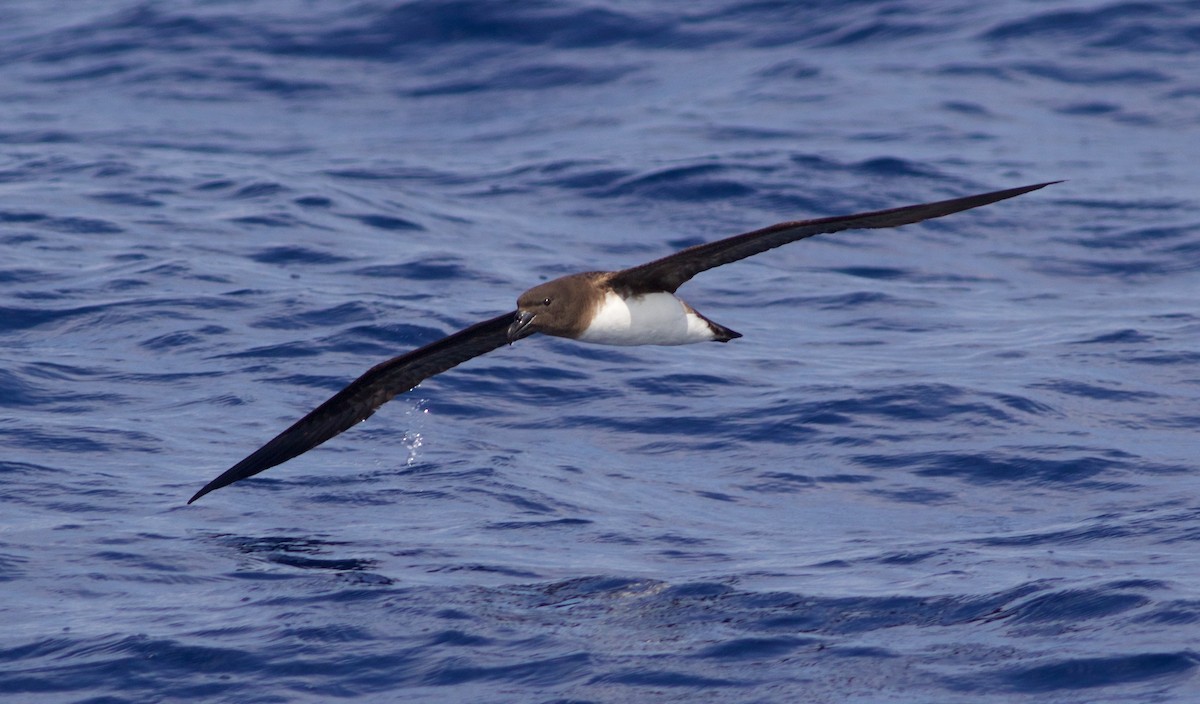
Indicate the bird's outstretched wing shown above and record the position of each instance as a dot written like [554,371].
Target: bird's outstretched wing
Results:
[359,400]
[671,272]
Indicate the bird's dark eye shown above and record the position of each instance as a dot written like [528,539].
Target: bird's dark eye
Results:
[546,302]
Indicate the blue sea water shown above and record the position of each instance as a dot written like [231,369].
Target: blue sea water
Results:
[951,462]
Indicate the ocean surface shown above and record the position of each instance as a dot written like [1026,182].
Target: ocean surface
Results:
[952,462]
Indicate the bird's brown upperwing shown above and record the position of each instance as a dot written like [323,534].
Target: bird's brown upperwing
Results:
[364,395]
[671,272]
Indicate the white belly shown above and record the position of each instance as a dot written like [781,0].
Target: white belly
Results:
[653,319]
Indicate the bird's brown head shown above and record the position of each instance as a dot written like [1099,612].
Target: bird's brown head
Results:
[562,307]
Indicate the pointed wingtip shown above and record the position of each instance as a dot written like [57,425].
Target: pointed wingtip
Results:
[1020,190]
[228,477]
[1037,186]
[210,487]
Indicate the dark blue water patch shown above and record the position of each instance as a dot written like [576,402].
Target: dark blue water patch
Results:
[874,272]
[400,173]
[1034,466]
[277,219]
[14,468]
[714,495]
[914,402]
[1088,534]
[269,544]
[295,254]
[681,385]
[215,185]
[12,319]
[33,137]
[690,431]
[1141,239]
[126,664]
[314,202]
[1059,608]
[591,178]
[772,24]
[1172,613]
[1094,391]
[14,240]
[1122,26]
[539,525]
[433,269]
[792,613]
[47,647]
[337,634]
[457,638]
[872,31]
[260,190]
[316,563]
[918,496]
[908,557]
[133,562]
[966,108]
[697,182]
[542,672]
[1186,251]
[1170,359]
[572,591]
[1092,76]
[74,441]
[1023,404]
[133,309]
[852,300]
[249,78]
[1126,336]
[893,167]
[1076,674]
[70,225]
[409,30]
[490,569]
[342,314]
[976,71]
[739,133]
[1095,109]
[183,339]
[124,285]
[522,504]
[781,483]
[124,198]
[752,648]
[17,391]
[1125,269]
[791,69]
[283,350]
[665,678]
[126,32]
[12,567]
[389,223]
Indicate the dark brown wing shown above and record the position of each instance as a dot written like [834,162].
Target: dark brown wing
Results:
[359,400]
[671,272]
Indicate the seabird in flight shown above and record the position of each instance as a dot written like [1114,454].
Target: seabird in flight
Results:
[634,306]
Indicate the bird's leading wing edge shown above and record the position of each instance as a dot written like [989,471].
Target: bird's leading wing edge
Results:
[364,395]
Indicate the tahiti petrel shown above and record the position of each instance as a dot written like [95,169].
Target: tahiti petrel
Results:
[634,306]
